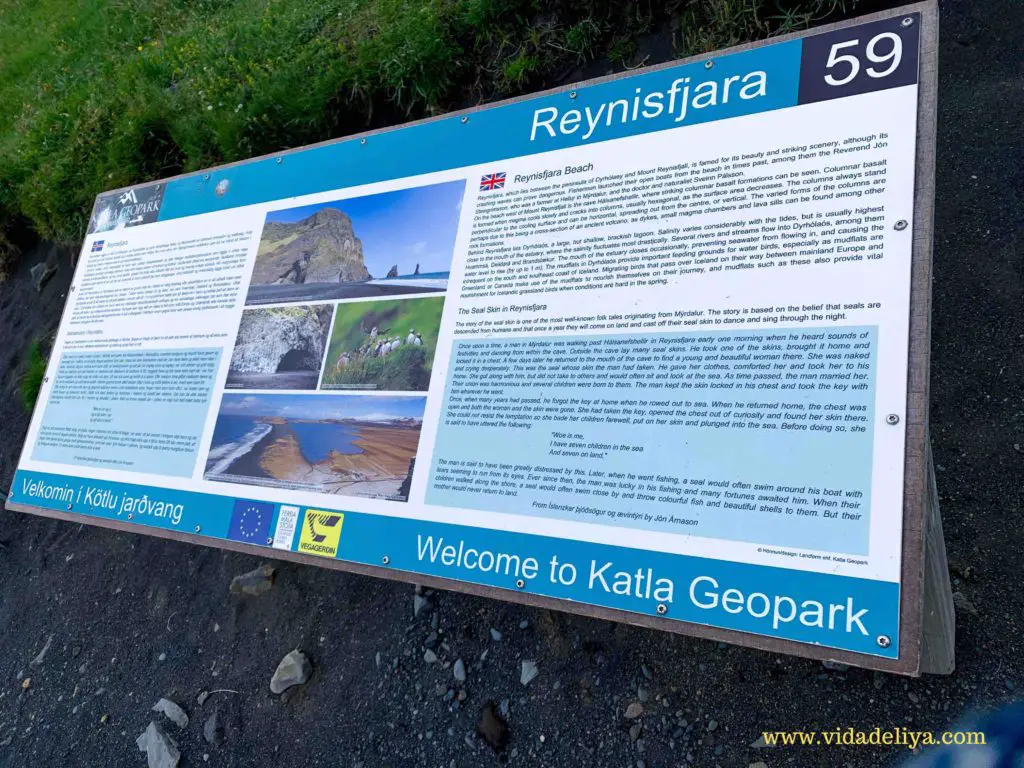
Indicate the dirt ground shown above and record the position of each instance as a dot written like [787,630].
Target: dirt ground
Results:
[125,619]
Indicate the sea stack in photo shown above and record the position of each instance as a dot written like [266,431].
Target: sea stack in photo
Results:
[322,248]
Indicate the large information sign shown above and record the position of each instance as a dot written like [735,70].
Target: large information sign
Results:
[652,348]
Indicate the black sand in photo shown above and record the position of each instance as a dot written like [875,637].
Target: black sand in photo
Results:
[346,445]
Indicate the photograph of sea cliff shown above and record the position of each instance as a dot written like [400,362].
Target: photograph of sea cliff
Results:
[387,244]
[383,345]
[350,445]
[280,348]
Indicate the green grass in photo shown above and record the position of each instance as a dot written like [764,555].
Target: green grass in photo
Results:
[383,345]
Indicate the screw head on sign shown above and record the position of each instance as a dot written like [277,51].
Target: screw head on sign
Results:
[269,540]
[465,119]
[892,419]
[572,94]
[198,529]
[709,64]
[280,160]
[883,641]
[206,177]
[362,141]
[900,225]
[130,515]
[385,559]
[662,608]
[907,21]
[520,583]
[69,507]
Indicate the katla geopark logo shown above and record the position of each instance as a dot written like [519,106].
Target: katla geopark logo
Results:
[134,206]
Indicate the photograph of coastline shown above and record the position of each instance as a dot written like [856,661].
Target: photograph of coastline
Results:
[280,348]
[350,445]
[391,243]
[383,345]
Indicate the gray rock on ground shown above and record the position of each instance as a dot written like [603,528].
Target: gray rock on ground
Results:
[634,710]
[161,750]
[459,671]
[529,672]
[173,712]
[294,669]
[255,582]
[213,729]
[419,604]
[41,273]
[42,654]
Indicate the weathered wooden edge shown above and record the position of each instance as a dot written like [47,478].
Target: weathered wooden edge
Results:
[938,635]
[908,662]
[918,469]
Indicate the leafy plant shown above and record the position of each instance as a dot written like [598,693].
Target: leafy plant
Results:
[32,380]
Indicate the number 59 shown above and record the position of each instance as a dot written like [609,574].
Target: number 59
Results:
[893,56]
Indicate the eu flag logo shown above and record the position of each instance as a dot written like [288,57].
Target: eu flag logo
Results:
[250,521]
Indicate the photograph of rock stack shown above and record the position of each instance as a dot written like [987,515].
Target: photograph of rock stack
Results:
[391,243]
[383,345]
[280,348]
[347,445]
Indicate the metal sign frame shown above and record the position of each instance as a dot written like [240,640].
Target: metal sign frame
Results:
[925,612]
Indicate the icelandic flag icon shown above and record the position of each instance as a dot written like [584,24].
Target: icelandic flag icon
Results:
[250,522]
[96,247]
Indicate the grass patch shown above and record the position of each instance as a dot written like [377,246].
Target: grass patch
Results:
[32,380]
[354,358]
[99,94]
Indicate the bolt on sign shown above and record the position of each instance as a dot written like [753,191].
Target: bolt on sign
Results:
[652,347]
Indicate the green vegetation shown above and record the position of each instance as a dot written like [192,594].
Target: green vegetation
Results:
[358,356]
[99,94]
[404,370]
[33,378]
